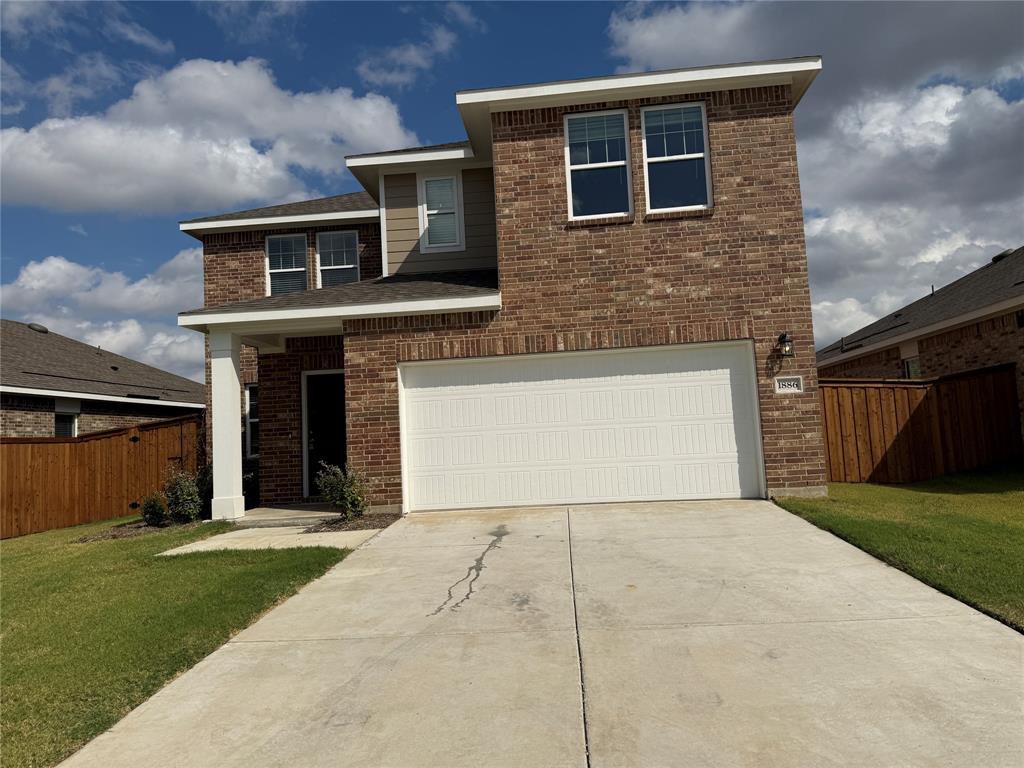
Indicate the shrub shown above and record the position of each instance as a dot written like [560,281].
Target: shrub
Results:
[343,489]
[154,512]
[184,504]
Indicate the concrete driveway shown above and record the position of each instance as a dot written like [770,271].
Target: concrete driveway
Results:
[711,634]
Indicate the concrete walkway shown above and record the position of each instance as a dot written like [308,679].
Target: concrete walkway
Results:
[711,634]
[276,538]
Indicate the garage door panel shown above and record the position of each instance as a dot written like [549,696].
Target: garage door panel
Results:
[629,425]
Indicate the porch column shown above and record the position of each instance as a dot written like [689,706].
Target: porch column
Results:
[226,401]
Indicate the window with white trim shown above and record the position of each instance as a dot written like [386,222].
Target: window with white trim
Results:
[65,425]
[440,213]
[676,169]
[286,264]
[337,258]
[597,165]
[252,420]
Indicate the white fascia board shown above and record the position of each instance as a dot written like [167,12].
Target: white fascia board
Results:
[280,221]
[559,91]
[91,396]
[428,156]
[351,312]
[967,318]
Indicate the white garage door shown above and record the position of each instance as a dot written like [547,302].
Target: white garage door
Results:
[675,422]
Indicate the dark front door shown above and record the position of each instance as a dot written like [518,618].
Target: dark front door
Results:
[325,424]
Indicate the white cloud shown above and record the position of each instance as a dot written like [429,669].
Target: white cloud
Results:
[119,27]
[57,23]
[78,229]
[203,135]
[462,13]
[254,22]
[110,310]
[85,78]
[910,159]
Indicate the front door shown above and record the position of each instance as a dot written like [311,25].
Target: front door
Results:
[324,423]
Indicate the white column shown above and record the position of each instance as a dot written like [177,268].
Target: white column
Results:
[226,400]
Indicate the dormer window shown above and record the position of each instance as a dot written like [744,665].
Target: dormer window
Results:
[286,264]
[597,165]
[678,175]
[440,203]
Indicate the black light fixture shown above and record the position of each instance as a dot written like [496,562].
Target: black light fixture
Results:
[785,344]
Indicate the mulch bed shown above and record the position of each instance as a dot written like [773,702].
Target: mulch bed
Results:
[366,522]
[126,531]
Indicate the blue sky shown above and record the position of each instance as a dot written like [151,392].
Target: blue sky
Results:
[119,119]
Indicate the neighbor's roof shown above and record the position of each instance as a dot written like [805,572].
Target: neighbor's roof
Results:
[383,290]
[34,360]
[352,201]
[999,281]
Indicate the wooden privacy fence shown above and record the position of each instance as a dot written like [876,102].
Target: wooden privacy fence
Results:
[901,431]
[54,482]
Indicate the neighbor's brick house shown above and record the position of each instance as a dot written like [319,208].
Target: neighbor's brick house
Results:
[975,322]
[655,215]
[53,386]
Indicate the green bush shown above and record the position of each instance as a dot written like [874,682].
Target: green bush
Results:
[184,503]
[153,510]
[343,489]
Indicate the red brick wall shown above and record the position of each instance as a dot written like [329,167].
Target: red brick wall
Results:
[883,364]
[736,272]
[23,416]
[27,416]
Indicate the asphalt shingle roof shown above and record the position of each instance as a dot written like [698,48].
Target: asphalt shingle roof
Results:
[353,201]
[37,360]
[999,280]
[435,285]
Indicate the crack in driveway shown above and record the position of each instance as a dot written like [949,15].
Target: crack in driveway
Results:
[472,572]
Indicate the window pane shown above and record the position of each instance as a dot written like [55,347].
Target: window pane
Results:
[440,194]
[337,249]
[597,139]
[441,229]
[254,403]
[599,191]
[675,131]
[677,183]
[254,438]
[287,282]
[64,425]
[329,277]
[287,252]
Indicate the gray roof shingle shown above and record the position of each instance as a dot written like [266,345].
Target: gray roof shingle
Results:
[414,287]
[37,360]
[352,201]
[999,280]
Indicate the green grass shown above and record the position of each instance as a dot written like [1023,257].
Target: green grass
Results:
[962,534]
[89,631]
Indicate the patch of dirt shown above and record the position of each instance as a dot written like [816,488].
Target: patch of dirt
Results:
[127,531]
[366,522]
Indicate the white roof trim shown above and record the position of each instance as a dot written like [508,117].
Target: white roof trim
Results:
[412,156]
[93,396]
[966,318]
[370,213]
[353,311]
[558,89]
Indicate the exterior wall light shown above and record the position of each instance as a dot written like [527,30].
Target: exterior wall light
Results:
[785,344]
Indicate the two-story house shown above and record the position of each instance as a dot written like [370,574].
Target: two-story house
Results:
[600,295]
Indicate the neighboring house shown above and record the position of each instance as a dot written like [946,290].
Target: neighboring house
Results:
[601,295]
[974,322]
[53,386]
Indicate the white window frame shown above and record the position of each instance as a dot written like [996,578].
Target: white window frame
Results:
[266,260]
[421,200]
[319,269]
[569,168]
[248,420]
[706,154]
[74,422]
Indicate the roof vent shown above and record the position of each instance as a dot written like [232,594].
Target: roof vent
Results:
[1002,255]
[113,368]
[38,328]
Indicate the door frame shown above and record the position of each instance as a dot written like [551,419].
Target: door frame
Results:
[305,431]
[746,344]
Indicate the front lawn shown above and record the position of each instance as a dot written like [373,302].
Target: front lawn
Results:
[962,534]
[91,630]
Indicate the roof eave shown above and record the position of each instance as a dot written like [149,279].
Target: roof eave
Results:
[40,392]
[198,228]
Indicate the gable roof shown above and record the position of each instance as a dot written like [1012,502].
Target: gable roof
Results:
[347,203]
[998,282]
[37,360]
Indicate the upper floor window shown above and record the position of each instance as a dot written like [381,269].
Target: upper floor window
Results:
[675,158]
[337,257]
[286,264]
[440,213]
[597,165]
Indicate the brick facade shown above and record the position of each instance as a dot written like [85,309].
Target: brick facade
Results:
[738,271]
[993,341]
[28,416]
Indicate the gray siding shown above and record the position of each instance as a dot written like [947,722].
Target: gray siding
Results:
[402,223]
